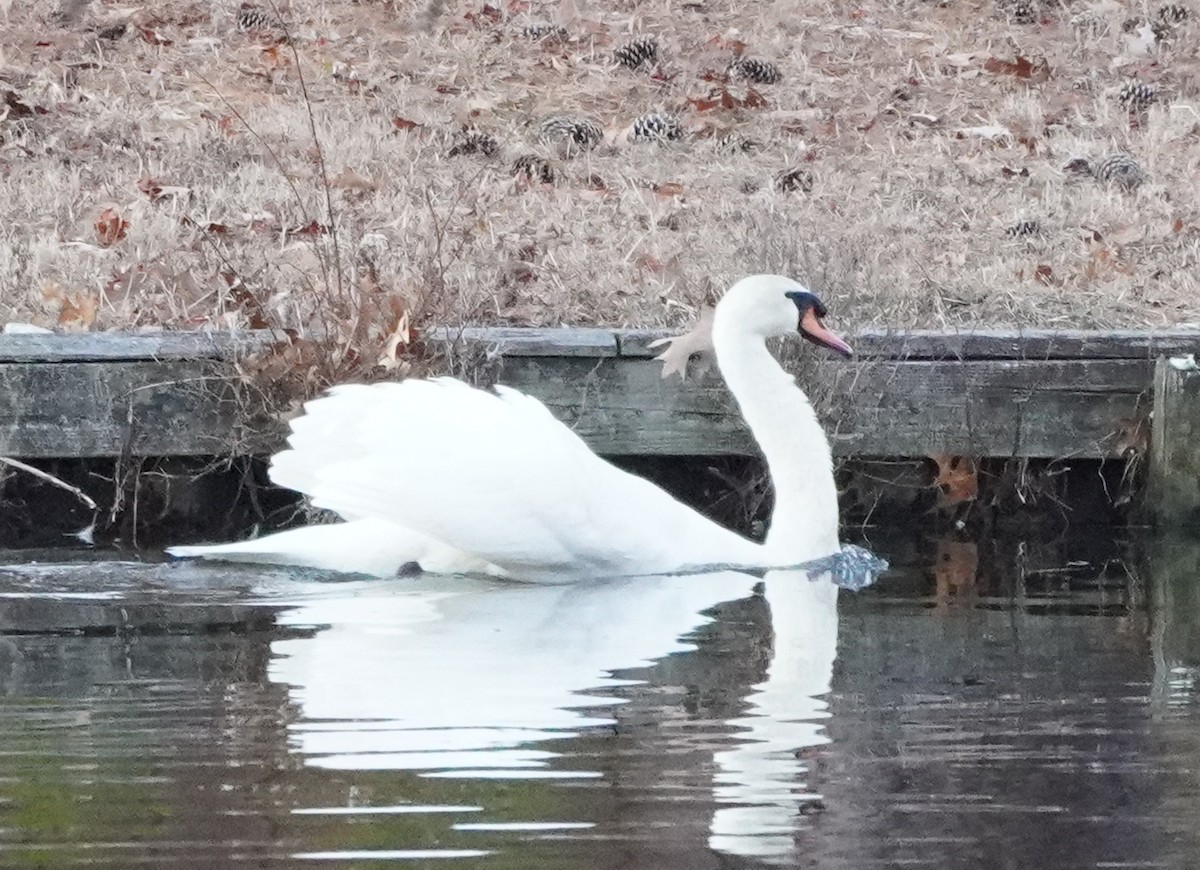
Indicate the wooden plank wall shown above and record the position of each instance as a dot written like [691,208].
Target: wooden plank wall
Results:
[983,393]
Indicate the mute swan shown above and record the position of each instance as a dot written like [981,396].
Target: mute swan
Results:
[461,480]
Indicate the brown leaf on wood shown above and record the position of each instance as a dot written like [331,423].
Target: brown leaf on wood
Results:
[1036,71]
[957,478]
[680,349]
[110,227]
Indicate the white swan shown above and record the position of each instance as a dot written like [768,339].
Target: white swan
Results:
[458,479]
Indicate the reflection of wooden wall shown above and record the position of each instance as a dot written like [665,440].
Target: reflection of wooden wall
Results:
[1034,394]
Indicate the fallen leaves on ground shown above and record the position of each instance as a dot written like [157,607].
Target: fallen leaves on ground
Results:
[111,227]
[1036,71]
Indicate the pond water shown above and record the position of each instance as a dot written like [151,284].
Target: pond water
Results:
[992,706]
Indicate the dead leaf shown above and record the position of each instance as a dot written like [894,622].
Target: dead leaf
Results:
[151,187]
[152,36]
[1043,274]
[704,105]
[310,229]
[1037,71]
[680,349]
[404,124]
[957,478]
[669,188]
[401,335]
[246,301]
[1177,225]
[110,227]
[650,263]
[78,311]
[272,58]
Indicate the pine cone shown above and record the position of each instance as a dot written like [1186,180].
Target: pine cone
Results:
[542,30]
[751,69]
[1136,96]
[1172,14]
[1121,170]
[253,18]
[793,179]
[655,126]
[534,168]
[475,143]
[1023,11]
[639,51]
[1024,228]
[577,133]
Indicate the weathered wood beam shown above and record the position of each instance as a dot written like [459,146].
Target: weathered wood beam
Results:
[981,344]
[980,408]
[1174,485]
[173,407]
[983,393]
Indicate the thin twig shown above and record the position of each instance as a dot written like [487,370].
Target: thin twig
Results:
[51,479]
[312,126]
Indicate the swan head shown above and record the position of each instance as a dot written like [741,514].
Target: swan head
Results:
[769,305]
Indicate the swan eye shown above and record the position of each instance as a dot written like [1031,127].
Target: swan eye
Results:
[805,300]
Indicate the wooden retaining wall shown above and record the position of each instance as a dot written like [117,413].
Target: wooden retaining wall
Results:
[983,393]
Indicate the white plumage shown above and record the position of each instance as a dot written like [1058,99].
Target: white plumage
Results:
[459,479]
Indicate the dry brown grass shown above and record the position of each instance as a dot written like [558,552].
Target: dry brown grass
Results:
[904,224]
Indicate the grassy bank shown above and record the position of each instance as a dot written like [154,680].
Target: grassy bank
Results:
[190,165]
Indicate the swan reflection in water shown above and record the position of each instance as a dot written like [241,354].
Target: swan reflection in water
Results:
[463,679]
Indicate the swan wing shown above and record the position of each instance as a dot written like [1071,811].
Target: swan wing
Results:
[494,475]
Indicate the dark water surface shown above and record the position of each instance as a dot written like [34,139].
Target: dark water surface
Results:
[1029,709]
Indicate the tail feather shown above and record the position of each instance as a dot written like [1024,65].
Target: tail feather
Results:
[366,546]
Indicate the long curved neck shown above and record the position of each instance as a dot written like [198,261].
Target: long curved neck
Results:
[804,524]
